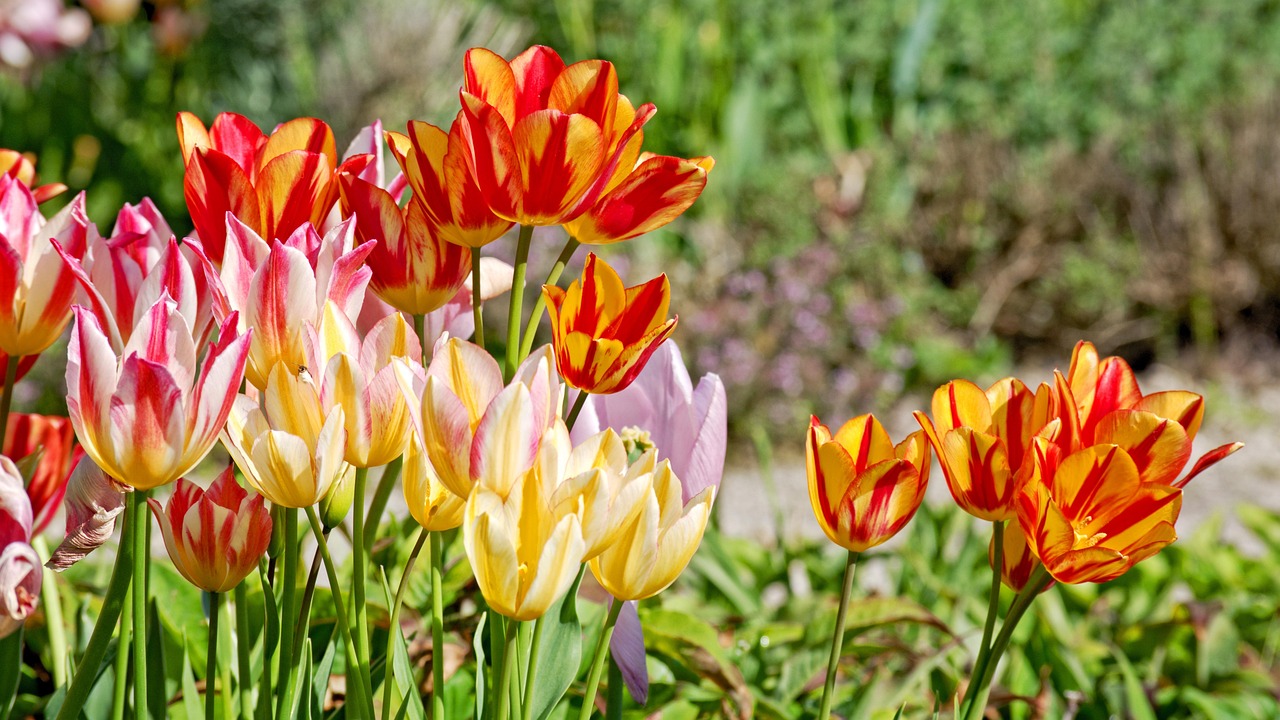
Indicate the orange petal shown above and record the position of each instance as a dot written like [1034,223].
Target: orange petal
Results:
[881,502]
[305,133]
[237,137]
[1208,460]
[491,155]
[559,156]
[866,441]
[487,76]
[590,88]
[654,194]
[960,403]
[977,470]
[1183,407]
[535,71]
[1158,447]
[293,189]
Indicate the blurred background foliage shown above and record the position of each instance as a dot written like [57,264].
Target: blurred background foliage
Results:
[905,192]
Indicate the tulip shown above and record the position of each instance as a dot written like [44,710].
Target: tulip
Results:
[360,378]
[272,184]
[658,190]
[122,276]
[1017,561]
[654,548]
[524,549]
[1091,518]
[216,536]
[862,487]
[982,440]
[1156,430]
[604,333]
[144,416]
[22,168]
[20,572]
[434,506]
[93,503]
[435,165]
[289,450]
[470,426]
[542,140]
[36,288]
[596,482]
[50,440]
[414,269]
[663,410]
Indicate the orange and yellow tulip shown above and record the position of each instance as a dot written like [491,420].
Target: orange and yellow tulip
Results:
[862,487]
[54,438]
[1090,517]
[435,164]
[604,333]
[657,190]
[273,184]
[216,536]
[982,440]
[21,167]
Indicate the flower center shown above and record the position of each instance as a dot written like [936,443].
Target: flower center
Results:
[636,442]
[1085,539]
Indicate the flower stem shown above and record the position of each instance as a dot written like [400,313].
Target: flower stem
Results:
[359,605]
[437,627]
[477,307]
[117,594]
[141,517]
[381,495]
[360,671]
[516,310]
[211,667]
[6,394]
[598,660]
[121,689]
[613,700]
[394,622]
[509,641]
[993,601]
[540,305]
[245,663]
[304,611]
[288,613]
[837,639]
[976,696]
[532,675]
[578,402]
[55,625]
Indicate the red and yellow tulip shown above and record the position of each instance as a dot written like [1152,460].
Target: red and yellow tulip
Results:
[216,536]
[273,184]
[982,440]
[604,333]
[1090,517]
[54,438]
[862,487]
[654,191]
[414,269]
[21,167]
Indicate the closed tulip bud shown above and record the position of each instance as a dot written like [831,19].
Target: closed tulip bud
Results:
[335,506]
[433,505]
[216,536]
[277,532]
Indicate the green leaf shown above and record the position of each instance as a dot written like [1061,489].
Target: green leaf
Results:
[478,644]
[190,696]
[10,669]
[559,652]
[1135,696]
[157,693]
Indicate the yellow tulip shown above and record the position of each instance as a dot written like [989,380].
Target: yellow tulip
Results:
[597,484]
[432,504]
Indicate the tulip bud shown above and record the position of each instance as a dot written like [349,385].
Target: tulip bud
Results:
[277,532]
[335,506]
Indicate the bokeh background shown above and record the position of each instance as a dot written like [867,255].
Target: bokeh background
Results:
[905,192]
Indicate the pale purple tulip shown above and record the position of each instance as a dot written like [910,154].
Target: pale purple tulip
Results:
[689,427]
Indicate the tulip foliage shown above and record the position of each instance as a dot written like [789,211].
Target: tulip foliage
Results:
[320,339]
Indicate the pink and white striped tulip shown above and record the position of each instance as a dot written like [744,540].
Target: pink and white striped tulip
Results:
[289,448]
[280,288]
[360,378]
[121,277]
[214,536]
[143,415]
[20,570]
[36,288]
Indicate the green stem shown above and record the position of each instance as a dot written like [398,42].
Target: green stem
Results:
[837,639]
[10,670]
[540,305]
[613,700]
[360,671]
[381,495]
[516,309]
[976,697]
[288,613]
[477,306]
[437,627]
[6,394]
[597,660]
[141,554]
[245,663]
[211,667]
[993,601]
[394,622]
[505,673]
[302,627]
[52,602]
[270,654]
[121,689]
[498,644]
[576,409]
[359,605]
[532,675]
[224,669]
[87,671]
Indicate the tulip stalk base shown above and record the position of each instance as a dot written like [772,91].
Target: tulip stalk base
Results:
[288,612]
[244,663]
[993,600]
[140,518]
[477,304]
[394,617]
[437,626]
[837,639]
[975,699]
[361,680]
[10,670]
[211,667]
[540,305]
[360,606]
[516,310]
[598,660]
